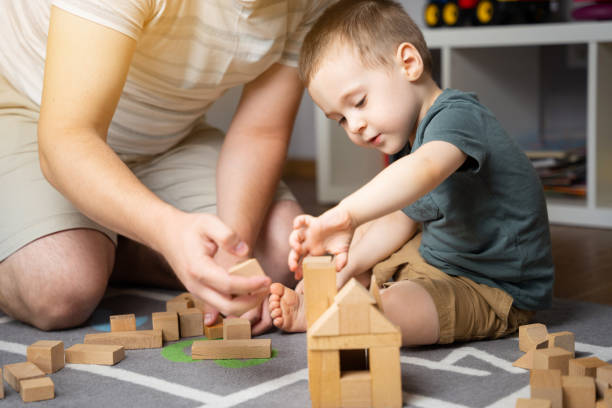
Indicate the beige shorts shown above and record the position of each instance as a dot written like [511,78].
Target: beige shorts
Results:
[31,208]
[466,310]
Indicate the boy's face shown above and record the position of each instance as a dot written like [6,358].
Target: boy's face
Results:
[377,107]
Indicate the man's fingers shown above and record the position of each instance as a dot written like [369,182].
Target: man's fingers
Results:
[214,229]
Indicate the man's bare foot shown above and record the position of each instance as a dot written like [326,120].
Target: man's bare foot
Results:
[287,308]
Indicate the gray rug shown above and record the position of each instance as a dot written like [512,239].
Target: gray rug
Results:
[478,374]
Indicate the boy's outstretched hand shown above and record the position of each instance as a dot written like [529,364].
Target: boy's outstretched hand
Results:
[331,232]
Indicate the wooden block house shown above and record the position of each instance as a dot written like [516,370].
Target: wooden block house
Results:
[353,350]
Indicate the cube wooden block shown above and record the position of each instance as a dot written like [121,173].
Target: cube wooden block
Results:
[356,389]
[124,322]
[168,323]
[190,322]
[236,329]
[586,366]
[552,358]
[48,355]
[603,379]
[546,384]
[132,340]
[248,268]
[180,302]
[563,339]
[1,385]
[215,331]
[103,354]
[578,392]
[533,403]
[15,373]
[603,404]
[37,389]
[532,336]
[224,349]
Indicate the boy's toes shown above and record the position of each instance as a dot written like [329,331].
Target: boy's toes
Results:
[277,289]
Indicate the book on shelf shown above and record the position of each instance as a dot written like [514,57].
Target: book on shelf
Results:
[561,171]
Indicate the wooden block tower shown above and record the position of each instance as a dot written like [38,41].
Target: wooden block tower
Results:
[353,350]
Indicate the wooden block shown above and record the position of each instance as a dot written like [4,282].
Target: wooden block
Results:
[356,389]
[525,361]
[48,355]
[15,373]
[601,387]
[37,389]
[532,403]
[132,340]
[586,366]
[248,268]
[375,292]
[603,404]
[224,349]
[563,339]
[328,324]
[359,341]
[180,302]
[1,385]
[124,322]
[354,318]
[103,354]
[546,384]
[607,395]
[532,335]
[168,323]
[324,378]
[578,392]
[386,376]
[603,379]
[214,331]
[190,322]
[552,358]
[319,286]
[236,329]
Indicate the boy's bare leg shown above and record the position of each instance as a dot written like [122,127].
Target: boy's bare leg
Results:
[56,281]
[410,307]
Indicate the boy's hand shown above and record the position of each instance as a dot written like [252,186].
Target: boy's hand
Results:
[331,232]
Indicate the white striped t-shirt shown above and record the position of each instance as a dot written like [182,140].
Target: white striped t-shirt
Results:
[189,52]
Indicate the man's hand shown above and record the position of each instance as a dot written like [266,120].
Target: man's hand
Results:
[331,232]
[190,242]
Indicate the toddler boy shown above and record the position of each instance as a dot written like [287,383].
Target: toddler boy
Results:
[482,264]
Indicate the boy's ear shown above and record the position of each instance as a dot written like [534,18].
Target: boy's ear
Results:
[410,60]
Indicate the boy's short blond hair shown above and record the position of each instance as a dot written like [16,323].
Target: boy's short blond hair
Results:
[374,27]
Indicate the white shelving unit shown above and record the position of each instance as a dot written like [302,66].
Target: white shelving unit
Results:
[505,67]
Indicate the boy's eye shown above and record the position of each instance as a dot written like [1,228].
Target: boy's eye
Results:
[361,102]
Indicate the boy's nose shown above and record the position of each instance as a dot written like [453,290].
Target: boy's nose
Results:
[357,126]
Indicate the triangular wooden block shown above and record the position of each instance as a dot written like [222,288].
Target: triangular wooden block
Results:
[379,323]
[328,324]
[353,292]
[526,361]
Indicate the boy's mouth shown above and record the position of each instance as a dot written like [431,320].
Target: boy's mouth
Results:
[376,140]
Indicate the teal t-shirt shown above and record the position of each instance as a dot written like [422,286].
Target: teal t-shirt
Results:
[488,220]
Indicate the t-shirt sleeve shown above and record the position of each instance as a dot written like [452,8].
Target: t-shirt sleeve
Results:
[314,8]
[126,16]
[464,128]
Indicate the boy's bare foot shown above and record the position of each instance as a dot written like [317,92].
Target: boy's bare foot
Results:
[287,308]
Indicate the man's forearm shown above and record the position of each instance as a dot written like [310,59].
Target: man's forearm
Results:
[247,179]
[85,170]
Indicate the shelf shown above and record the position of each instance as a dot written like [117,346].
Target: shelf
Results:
[519,35]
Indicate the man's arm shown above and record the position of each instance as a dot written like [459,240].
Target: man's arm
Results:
[85,70]
[255,149]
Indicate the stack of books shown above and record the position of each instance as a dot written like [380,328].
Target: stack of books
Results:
[561,171]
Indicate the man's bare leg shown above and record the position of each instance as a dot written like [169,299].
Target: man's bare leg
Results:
[58,280]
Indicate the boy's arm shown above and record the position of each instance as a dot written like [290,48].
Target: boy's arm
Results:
[404,181]
[394,188]
[375,241]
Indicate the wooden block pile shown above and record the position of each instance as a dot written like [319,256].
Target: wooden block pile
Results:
[29,378]
[557,378]
[183,318]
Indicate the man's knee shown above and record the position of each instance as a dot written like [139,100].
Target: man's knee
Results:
[57,283]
